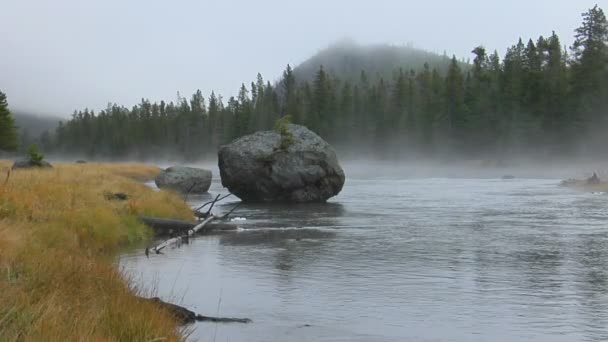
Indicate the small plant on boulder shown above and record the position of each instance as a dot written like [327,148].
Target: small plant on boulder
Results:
[281,126]
[34,154]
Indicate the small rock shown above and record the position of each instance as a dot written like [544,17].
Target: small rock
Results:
[184,179]
[30,164]
[116,196]
[568,182]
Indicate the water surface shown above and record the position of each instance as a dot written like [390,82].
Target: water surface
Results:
[401,260]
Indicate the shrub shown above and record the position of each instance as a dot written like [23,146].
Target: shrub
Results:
[34,154]
[282,126]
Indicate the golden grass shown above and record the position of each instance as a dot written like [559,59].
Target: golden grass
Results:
[583,186]
[59,238]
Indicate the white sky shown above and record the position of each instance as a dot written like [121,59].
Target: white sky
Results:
[61,55]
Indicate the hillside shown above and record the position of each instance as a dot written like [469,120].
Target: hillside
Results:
[34,129]
[34,124]
[346,59]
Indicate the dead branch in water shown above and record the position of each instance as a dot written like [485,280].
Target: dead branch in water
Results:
[185,316]
[225,216]
[216,200]
[163,226]
[202,226]
[201,215]
[212,204]
[190,190]
[182,238]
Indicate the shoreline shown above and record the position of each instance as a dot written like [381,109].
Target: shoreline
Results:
[59,241]
[584,186]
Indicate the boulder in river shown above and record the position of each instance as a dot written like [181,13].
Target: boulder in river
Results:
[295,166]
[31,164]
[184,179]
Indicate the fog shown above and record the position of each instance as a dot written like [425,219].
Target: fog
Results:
[58,56]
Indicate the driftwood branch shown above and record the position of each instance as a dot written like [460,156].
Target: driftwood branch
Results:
[185,316]
[223,217]
[202,226]
[182,238]
[210,202]
[167,227]
[189,190]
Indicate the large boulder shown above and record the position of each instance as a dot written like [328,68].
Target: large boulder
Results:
[264,167]
[30,164]
[184,179]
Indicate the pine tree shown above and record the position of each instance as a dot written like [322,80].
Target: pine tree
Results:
[591,39]
[290,101]
[322,105]
[426,118]
[8,130]
[454,102]
[536,100]
[590,57]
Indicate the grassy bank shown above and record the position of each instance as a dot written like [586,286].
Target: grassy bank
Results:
[59,238]
[582,185]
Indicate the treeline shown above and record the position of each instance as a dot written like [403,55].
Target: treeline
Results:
[8,129]
[541,98]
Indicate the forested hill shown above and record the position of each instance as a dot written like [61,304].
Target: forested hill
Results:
[539,99]
[346,59]
[34,129]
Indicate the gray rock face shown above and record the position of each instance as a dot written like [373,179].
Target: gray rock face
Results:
[30,164]
[255,169]
[184,179]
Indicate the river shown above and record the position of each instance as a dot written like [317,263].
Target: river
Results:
[424,259]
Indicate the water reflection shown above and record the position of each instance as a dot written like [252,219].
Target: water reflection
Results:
[282,238]
[288,215]
[522,260]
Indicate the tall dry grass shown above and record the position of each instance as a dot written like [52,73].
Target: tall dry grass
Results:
[59,238]
[583,186]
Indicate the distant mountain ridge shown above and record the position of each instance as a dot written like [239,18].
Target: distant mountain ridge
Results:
[35,124]
[346,59]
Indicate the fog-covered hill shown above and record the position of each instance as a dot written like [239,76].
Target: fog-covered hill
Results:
[345,60]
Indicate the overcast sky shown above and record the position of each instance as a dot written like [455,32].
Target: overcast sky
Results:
[61,55]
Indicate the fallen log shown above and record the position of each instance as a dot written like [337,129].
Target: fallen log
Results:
[185,316]
[168,227]
[221,227]
[199,227]
[182,238]
[163,226]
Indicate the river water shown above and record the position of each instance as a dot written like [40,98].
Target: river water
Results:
[425,259]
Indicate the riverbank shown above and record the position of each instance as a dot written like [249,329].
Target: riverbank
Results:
[584,185]
[59,238]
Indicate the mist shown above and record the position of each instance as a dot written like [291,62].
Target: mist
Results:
[305,171]
[106,57]
[62,56]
